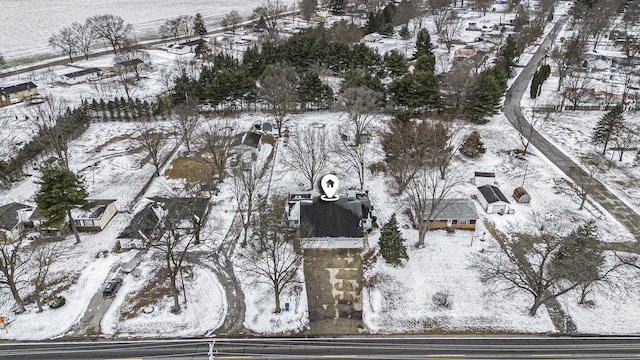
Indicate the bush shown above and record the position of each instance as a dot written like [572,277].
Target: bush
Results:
[57,302]
[472,147]
[442,300]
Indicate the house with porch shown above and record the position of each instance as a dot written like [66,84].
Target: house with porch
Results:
[95,218]
[452,213]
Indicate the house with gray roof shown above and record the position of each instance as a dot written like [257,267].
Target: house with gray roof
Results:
[75,77]
[492,199]
[452,213]
[16,93]
[13,220]
[95,218]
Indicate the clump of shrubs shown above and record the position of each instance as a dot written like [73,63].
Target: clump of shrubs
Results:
[472,147]
[442,300]
[57,302]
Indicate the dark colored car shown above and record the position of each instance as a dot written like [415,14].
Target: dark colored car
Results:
[112,287]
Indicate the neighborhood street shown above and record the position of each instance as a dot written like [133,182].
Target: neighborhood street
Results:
[512,110]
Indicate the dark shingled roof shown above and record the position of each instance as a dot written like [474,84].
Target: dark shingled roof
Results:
[246,138]
[147,221]
[132,62]
[6,90]
[339,218]
[9,215]
[492,194]
[193,42]
[82,72]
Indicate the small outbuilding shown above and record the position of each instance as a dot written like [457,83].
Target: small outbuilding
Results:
[521,195]
[492,199]
[484,178]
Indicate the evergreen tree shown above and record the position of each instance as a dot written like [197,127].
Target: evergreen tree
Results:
[472,147]
[391,242]
[404,32]
[395,63]
[199,29]
[508,55]
[423,44]
[425,63]
[337,7]
[608,127]
[484,97]
[60,192]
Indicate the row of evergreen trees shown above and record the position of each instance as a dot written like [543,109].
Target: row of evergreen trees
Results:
[120,109]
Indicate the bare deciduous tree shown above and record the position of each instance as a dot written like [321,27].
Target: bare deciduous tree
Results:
[528,127]
[577,89]
[66,41]
[451,30]
[247,185]
[43,257]
[567,57]
[177,27]
[439,10]
[231,21]
[308,153]
[84,37]
[186,122]
[278,91]
[14,261]
[271,11]
[215,141]
[428,195]
[363,107]
[152,142]
[46,117]
[270,256]
[111,28]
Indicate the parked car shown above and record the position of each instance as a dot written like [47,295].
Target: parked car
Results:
[112,287]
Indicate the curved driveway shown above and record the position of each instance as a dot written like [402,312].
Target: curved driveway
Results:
[512,110]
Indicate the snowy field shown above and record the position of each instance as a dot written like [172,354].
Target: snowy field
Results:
[45,18]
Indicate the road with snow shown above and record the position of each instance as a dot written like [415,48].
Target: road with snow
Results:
[512,110]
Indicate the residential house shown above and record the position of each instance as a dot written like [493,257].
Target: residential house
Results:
[48,232]
[452,213]
[95,218]
[185,47]
[492,199]
[521,195]
[339,224]
[149,224]
[245,146]
[91,74]
[17,93]
[13,220]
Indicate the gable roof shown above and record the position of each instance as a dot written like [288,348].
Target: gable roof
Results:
[95,212]
[339,218]
[246,138]
[492,194]
[9,216]
[76,74]
[454,209]
[193,42]
[6,90]
[143,224]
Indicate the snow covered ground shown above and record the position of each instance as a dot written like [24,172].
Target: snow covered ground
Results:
[45,18]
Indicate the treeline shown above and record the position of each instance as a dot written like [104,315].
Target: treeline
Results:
[120,109]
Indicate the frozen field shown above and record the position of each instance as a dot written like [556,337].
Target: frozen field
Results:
[46,17]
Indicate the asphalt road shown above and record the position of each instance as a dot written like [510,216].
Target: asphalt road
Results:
[422,347]
[512,110]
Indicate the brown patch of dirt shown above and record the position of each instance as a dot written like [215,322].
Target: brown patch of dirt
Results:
[193,169]
[155,289]
[113,140]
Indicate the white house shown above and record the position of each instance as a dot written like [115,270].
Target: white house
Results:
[185,47]
[76,77]
[95,218]
[492,199]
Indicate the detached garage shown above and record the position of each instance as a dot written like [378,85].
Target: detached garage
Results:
[492,199]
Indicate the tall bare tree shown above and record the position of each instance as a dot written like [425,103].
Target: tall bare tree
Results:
[14,262]
[177,27]
[231,21]
[307,153]
[428,194]
[84,37]
[111,28]
[439,11]
[566,57]
[271,11]
[47,119]
[66,41]
[247,184]
[363,107]
[214,140]
[151,141]
[451,30]
[278,92]
[270,256]
[43,257]
[353,152]
[186,122]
